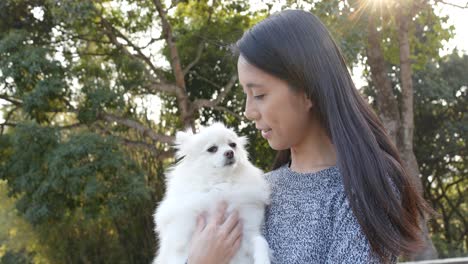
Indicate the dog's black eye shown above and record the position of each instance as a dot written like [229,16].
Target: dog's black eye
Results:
[232,145]
[213,149]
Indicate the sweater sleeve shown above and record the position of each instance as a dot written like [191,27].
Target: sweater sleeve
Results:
[349,244]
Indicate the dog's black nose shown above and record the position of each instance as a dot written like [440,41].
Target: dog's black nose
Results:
[229,154]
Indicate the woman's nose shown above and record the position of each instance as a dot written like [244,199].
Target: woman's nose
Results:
[250,112]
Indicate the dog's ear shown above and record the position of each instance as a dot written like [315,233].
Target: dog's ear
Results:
[243,141]
[181,142]
[183,136]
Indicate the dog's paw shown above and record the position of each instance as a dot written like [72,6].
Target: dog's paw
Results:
[261,250]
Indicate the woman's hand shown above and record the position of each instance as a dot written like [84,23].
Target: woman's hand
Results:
[217,240]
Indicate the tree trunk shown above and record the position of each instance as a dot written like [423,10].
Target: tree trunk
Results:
[399,126]
[407,121]
[185,106]
[387,105]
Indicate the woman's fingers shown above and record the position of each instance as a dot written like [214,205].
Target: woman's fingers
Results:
[219,214]
[230,228]
[235,246]
[230,222]
[235,233]
[200,222]
[216,239]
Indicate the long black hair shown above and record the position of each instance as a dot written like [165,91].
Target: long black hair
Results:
[296,47]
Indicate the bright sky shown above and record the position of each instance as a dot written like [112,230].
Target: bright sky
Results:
[457,17]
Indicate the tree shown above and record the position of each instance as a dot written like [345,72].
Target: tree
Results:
[18,242]
[440,121]
[78,155]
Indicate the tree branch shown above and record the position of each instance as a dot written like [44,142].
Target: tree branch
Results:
[454,5]
[113,33]
[143,130]
[7,119]
[208,81]
[70,126]
[138,144]
[3,125]
[151,148]
[174,3]
[452,184]
[11,100]
[227,89]
[185,106]
[72,36]
[151,42]
[225,109]
[197,58]
[201,45]
[167,33]
[161,87]
[221,96]
[442,155]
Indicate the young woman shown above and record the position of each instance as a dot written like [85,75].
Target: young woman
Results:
[340,193]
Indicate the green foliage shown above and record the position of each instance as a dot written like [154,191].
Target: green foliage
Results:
[441,149]
[16,257]
[77,191]
[216,28]
[18,241]
[52,176]
[38,81]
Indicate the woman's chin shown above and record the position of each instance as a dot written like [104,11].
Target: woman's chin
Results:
[274,145]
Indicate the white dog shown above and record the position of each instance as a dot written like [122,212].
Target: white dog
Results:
[214,168]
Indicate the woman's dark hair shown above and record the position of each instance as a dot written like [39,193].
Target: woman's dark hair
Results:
[295,46]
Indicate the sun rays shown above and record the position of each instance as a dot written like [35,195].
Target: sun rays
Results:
[371,7]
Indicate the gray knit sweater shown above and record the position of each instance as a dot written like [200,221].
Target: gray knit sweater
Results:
[310,220]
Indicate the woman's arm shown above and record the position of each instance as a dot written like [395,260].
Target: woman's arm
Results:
[217,239]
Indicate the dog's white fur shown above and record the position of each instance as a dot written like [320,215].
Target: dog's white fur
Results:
[199,182]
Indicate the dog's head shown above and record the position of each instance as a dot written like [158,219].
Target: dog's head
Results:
[214,147]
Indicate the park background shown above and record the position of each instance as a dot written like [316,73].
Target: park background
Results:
[92,92]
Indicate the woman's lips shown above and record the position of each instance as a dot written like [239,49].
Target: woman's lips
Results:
[266,133]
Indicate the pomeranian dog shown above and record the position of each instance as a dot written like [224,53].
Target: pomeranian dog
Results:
[214,167]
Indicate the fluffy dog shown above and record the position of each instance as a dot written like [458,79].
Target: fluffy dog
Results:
[214,167]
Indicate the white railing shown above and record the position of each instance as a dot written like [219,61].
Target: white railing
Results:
[440,261]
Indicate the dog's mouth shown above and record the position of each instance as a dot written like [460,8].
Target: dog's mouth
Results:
[229,162]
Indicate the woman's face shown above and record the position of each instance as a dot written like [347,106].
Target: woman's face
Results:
[282,115]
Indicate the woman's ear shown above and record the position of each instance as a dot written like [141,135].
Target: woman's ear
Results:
[309,104]
[307,101]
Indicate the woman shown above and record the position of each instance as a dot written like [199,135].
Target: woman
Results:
[339,191]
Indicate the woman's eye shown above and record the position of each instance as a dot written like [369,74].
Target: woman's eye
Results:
[232,145]
[258,97]
[213,149]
